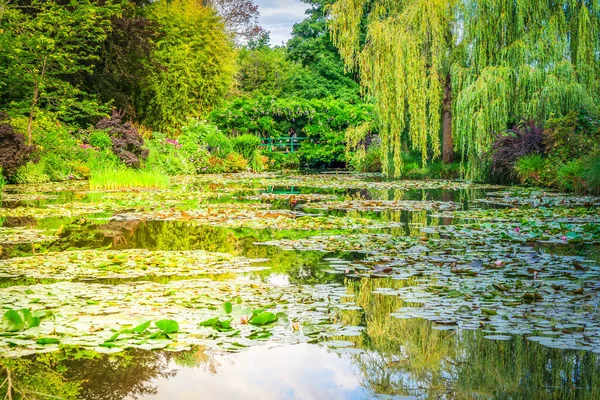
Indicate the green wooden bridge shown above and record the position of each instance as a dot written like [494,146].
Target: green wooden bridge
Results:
[293,142]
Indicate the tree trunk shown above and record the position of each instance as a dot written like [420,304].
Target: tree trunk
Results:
[31,114]
[447,142]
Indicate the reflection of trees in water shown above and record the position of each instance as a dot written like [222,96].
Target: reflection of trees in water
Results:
[409,357]
[81,374]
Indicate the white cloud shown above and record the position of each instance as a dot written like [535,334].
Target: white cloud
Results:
[279,16]
[261,373]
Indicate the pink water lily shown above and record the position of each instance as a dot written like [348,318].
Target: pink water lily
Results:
[563,237]
[517,230]
[499,263]
[244,320]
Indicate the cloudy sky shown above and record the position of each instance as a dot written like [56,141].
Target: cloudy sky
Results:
[278,17]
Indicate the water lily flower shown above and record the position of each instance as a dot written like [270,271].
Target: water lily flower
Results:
[244,320]
[499,263]
[517,229]
[563,237]
[295,326]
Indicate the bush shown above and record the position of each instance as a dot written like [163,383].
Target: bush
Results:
[371,162]
[523,139]
[278,160]
[570,177]
[100,140]
[591,173]
[218,144]
[439,170]
[14,151]
[530,168]
[246,145]
[258,161]
[573,136]
[235,162]
[127,143]
[31,173]
[170,157]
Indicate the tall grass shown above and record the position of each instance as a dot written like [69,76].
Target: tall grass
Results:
[127,178]
[591,173]
[530,168]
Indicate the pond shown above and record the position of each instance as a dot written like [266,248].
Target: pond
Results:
[306,286]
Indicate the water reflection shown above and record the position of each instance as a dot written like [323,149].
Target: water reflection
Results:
[415,362]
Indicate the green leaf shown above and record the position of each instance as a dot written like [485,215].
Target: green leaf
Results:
[167,325]
[263,318]
[48,340]
[227,307]
[12,321]
[141,328]
[210,322]
[257,335]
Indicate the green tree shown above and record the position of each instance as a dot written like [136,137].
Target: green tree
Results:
[195,60]
[322,72]
[475,65]
[263,71]
[42,45]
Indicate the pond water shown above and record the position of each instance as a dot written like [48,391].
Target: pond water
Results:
[307,286]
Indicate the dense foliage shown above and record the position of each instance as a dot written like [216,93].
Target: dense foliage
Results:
[322,122]
[201,89]
[468,67]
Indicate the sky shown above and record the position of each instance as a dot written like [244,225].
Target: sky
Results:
[278,17]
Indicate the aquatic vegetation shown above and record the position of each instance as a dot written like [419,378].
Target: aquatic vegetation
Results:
[452,255]
[100,316]
[125,264]
[381,205]
[127,178]
[24,235]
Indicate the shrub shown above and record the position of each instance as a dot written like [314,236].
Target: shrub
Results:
[235,162]
[279,160]
[170,157]
[14,151]
[258,161]
[127,178]
[570,177]
[246,145]
[127,143]
[218,144]
[530,168]
[573,136]
[371,162]
[591,173]
[523,139]
[439,170]
[100,139]
[31,173]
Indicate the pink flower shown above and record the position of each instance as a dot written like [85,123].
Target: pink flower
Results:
[517,230]
[244,320]
[499,263]
[563,237]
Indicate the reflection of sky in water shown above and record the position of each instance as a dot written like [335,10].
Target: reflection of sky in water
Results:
[291,372]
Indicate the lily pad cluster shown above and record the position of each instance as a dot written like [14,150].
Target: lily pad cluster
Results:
[24,235]
[173,316]
[127,264]
[381,205]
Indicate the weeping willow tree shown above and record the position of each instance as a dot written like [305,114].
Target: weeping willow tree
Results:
[467,67]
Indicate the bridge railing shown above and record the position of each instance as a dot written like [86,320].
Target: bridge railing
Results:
[293,142]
